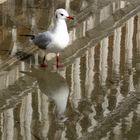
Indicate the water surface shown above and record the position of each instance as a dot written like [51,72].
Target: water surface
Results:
[94,96]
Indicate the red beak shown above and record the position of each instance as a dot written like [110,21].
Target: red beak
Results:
[70,17]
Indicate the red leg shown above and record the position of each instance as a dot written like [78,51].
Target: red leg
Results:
[57,61]
[43,63]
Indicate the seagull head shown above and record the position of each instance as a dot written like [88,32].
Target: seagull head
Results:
[62,14]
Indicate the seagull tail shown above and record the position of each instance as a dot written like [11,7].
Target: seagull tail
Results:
[31,36]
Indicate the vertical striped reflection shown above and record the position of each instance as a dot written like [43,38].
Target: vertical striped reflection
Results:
[103,69]
[67,5]
[129,42]
[138,36]
[26,117]
[105,12]
[8,125]
[14,40]
[129,50]
[33,17]
[116,50]
[116,61]
[76,93]
[89,81]
[103,60]
[76,83]
[1,126]
[138,67]
[138,52]
[36,59]
[43,114]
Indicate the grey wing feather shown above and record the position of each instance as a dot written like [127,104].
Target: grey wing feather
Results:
[42,40]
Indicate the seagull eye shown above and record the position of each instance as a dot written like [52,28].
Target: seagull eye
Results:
[62,14]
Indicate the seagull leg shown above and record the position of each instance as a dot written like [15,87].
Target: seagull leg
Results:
[44,58]
[43,63]
[57,61]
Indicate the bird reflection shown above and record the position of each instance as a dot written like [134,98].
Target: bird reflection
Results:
[54,86]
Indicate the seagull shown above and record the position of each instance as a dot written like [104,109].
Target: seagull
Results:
[56,39]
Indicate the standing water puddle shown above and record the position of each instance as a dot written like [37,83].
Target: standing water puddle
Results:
[95,96]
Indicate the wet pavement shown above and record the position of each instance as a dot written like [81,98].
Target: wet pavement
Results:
[94,96]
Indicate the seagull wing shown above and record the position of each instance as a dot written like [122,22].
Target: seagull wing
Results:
[42,40]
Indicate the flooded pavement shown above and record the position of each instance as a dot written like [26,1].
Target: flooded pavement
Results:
[95,96]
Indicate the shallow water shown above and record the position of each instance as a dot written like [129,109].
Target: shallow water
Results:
[94,96]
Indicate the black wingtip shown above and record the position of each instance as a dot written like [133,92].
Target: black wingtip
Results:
[31,36]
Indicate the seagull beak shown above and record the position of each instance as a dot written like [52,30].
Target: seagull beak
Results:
[70,17]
